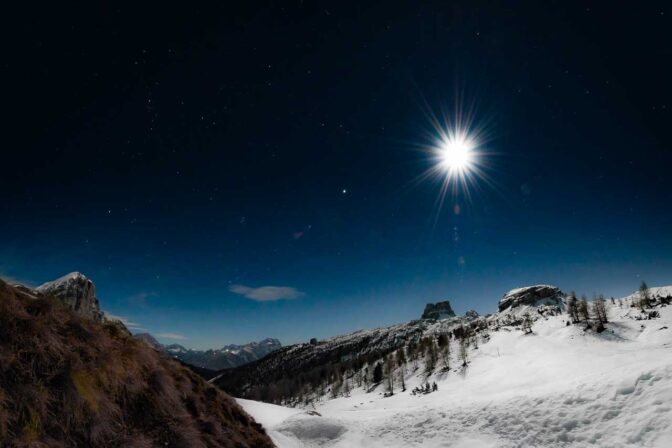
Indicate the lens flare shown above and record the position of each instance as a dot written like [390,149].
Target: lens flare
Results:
[458,158]
[457,154]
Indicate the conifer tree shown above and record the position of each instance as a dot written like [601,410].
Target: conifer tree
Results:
[445,354]
[600,310]
[572,308]
[644,296]
[584,312]
[378,373]
[346,387]
[389,367]
[464,353]
[527,323]
[401,357]
[431,356]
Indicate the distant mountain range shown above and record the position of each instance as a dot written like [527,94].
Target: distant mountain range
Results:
[226,357]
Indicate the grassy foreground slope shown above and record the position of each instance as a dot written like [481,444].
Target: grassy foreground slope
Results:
[67,381]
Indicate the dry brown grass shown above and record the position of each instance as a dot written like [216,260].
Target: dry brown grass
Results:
[66,381]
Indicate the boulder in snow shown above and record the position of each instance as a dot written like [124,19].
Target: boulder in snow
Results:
[531,295]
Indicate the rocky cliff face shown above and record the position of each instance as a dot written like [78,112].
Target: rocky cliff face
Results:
[76,291]
[439,310]
[531,295]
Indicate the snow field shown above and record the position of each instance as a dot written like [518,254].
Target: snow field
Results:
[559,387]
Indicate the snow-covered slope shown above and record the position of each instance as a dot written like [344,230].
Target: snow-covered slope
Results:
[655,293]
[280,375]
[560,386]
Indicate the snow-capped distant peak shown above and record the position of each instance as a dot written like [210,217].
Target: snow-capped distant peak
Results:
[225,357]
[176,348]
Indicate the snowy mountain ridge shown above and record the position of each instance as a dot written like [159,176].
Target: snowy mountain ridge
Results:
[563,383]
[279,376]
[215,359]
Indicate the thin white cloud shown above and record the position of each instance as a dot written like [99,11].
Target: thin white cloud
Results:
[140,299]
[266,293]
[179,337]
[133,326]
[15,281]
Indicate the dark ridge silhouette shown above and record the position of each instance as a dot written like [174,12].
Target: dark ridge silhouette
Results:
[68,381]
[207,374]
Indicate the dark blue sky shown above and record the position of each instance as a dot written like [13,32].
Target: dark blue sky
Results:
[182,157]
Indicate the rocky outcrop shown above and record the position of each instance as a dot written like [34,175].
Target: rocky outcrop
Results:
[76,291]
[472,314]
[439,310]
[531,295]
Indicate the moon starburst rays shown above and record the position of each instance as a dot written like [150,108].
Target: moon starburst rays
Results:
[455,149]
[459,160]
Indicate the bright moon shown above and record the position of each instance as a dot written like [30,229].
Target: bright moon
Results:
[456,154]
[456,150]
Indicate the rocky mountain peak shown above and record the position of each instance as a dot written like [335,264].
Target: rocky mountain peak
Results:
[76,291]
[270,341]
[531,295]
[439,310]
[472,314]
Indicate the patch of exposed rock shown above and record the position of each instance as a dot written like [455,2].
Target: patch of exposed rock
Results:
[76,291]
[439,310]
[471,314]
[531,295]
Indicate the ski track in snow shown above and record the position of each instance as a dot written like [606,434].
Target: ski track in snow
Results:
[559,387]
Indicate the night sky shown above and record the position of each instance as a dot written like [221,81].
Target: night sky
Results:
[235,171]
